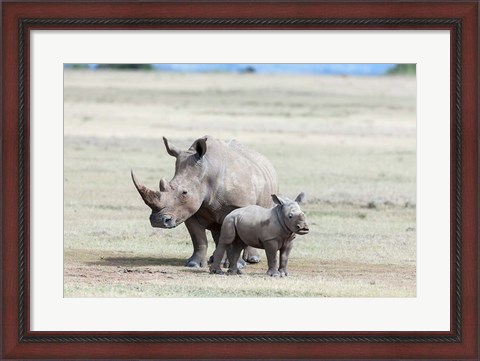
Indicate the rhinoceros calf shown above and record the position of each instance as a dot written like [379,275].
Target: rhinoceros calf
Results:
[212,178]
[271,229]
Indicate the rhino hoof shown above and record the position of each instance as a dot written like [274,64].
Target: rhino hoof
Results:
[241,263]
[195,264]
[192,264]
[273,273]
[216,271]
[253,259]
[235,272]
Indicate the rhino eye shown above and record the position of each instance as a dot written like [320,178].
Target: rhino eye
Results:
[184,192]
[290,215]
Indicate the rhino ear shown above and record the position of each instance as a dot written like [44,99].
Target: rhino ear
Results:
[201,146]
[171,149]
[277,200]
[301,198]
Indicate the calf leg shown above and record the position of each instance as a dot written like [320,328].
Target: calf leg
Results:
[216,237]
[271,248]
[234,255]
[227,236]
[225,261]
[217,259]
[284,252]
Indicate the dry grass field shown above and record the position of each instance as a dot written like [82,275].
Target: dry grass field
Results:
[348,142]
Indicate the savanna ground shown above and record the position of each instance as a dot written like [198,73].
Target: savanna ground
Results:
[348,142]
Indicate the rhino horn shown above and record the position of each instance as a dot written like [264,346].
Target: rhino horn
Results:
[164,185]
[171,149]
[151,198]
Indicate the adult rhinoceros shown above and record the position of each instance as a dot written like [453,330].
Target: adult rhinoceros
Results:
[211,179]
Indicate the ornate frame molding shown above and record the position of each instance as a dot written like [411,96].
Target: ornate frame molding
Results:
[24,336]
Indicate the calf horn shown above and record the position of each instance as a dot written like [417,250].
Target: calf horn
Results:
[151,198]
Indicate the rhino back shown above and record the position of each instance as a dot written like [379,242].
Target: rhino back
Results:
[239,176]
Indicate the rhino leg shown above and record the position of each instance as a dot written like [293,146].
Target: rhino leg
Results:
[250,255]
[271,249]
[200,243]
[284,252]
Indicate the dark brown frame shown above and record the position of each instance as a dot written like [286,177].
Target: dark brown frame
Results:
[461,18]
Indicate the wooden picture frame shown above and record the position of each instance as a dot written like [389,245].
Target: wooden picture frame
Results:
[460,18]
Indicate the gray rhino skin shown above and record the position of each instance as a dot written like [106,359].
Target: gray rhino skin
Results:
[211,179]
[271,229]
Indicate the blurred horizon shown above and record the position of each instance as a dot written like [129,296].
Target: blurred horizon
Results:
[318,69]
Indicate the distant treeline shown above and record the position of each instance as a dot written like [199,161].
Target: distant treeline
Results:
[404,69]
[112,66]
[398,69]
[125,66]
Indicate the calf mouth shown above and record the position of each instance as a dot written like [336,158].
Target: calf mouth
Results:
[304,230]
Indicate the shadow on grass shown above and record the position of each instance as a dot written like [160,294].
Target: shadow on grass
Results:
[137,261]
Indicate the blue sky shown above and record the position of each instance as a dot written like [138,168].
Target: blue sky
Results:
[347,69]
[336,69]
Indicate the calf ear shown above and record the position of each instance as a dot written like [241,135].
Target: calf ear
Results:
[171,149]
[201,146]
[301,198]
[277,200]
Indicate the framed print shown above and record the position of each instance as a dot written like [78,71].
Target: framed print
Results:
[385,262]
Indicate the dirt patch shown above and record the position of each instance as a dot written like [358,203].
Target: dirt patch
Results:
[145,276]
